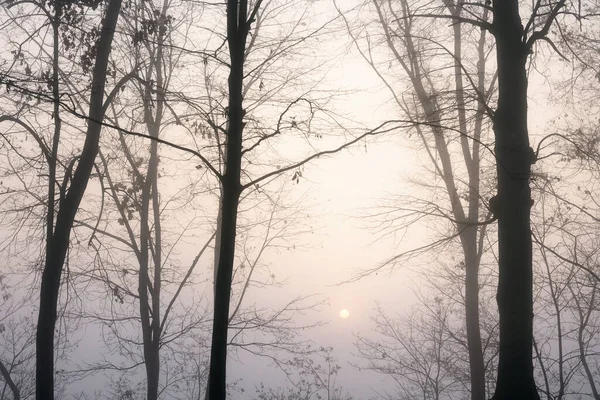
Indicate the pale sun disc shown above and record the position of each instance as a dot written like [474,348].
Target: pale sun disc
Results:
[344,313]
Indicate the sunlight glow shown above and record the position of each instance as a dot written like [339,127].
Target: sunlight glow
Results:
[344,313]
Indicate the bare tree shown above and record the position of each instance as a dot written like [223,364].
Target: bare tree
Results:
[310,376]
[58,242]
[425,350]
[416,352]
[514,43]
[17,340]
[566,329]
[60,212]
[241,15]
[452,96]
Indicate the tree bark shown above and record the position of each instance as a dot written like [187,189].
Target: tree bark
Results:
[512,207]
[58,244]
[237,32]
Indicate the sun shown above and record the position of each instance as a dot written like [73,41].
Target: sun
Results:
[344,313]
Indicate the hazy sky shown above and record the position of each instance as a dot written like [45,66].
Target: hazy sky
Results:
[338,190]
[346,186]
[342,188]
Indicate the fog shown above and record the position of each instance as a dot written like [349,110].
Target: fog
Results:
[352,166]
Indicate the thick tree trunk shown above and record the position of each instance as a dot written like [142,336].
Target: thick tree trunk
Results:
[237,32]
[59,243]
[512,207]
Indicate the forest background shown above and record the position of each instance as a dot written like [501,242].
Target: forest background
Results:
[310,157]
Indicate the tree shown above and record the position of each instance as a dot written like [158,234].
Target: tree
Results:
[424,350]
[144,196]
[58,242]
[565,277]
[240,17]
[242,119]
[454,141]
[148,192]
[514,157]
[416,352]
[514,43]
[511,206]
[140,196]
[59,217]
[16,348]
[238,26]
[311,376]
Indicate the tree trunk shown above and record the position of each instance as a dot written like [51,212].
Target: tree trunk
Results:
[584,319]
[469,233]
[59,242]
[150,307]
[149,312]
[237,32]
[8,379]
[476,363]
[512,207]
[468,230]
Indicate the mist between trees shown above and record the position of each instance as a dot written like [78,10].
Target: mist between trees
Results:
[159,174]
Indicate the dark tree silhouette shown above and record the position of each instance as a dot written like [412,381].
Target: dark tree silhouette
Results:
[512,207]
[238,25]
[513,202]
[58,242]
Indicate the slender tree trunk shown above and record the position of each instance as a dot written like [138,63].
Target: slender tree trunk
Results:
[468,229]
[153,379]
[218,358]
[154,368]
[556,298]
[59,243]
[151,321]
[50,212]
[150,315]
[47,318]
[11,384]
[469,233]
[584,319]
[237,32]
[476,363]
[512,207]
